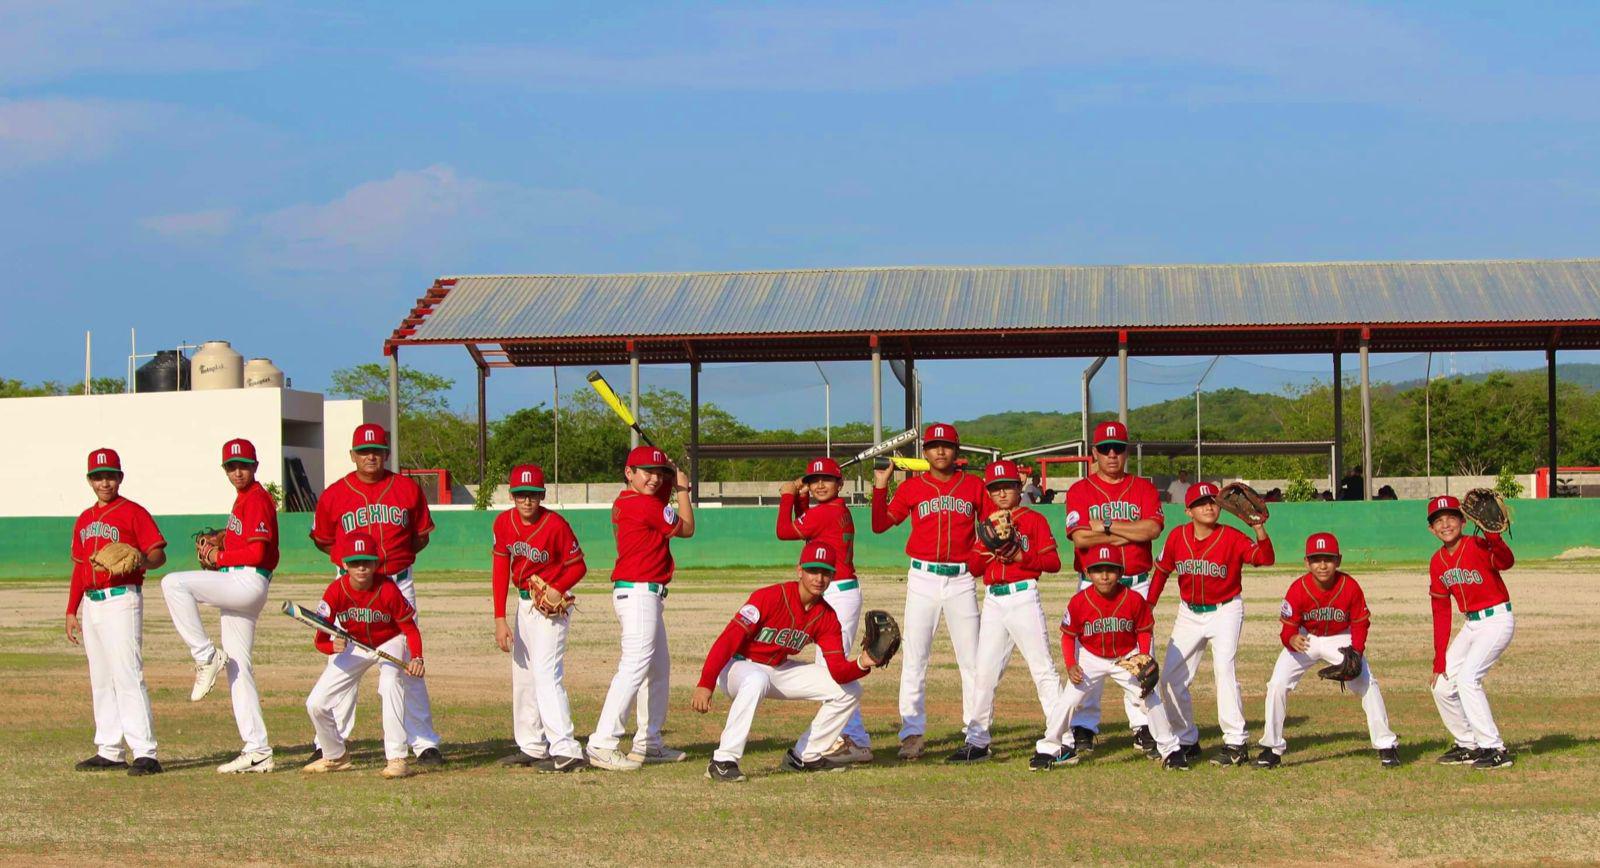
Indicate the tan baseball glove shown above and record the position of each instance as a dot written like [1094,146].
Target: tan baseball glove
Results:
[1487,509]
[998,534]
[550,602]
[118,559]
[1244,502]
[1144,668]
[207,542]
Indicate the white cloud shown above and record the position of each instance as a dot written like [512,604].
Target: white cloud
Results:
[51,129]
[211,223]
[46,40]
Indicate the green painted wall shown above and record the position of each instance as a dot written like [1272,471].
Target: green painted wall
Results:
[1382,532]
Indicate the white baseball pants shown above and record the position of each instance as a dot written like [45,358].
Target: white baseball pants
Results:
[418,707]
[747,683]
[113,640]
[846,605]
[642,673]
[240,594]
[1294,664]
[1191,633]
[342,679]
[1015,620]
[928,594]
[1088,713]
[1096,671]
[1459,693]
[541,717]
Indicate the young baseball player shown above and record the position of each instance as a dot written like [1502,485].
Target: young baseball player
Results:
[646,516]
[1323,613]
[236,583]
[531,541]
[750,661]
[1013,616]
[1467,569]
[370,607]
[1112,507]
[810,509]
[1104,624]
[391,508]
[112,628]
[943,504]
[1209,560]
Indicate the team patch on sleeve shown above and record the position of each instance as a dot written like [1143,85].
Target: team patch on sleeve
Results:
[669,514]
[1072,517]
[749,614]
[324,609]
[1286,611]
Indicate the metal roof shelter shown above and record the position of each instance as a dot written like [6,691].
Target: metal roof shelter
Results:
[942,312]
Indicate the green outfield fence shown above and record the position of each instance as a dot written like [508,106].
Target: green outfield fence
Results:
[1377,533]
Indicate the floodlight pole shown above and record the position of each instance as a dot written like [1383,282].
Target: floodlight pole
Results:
[1366,414]
[877,391]
[633,389]
[1088,375]
[1197,385]
[827,411]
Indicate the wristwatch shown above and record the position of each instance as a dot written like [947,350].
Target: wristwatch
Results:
[1106,526]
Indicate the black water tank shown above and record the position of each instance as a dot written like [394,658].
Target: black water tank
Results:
[167,372]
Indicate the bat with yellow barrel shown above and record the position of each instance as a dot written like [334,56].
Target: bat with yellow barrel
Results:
[609,395]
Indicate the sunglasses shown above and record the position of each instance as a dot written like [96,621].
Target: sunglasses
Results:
[1111,449]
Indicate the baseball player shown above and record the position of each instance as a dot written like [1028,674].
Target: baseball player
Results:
[369,606]
[112,629]
[1111,507]
[1323,613]
[1208,559]
[1467,569]
[1103,624]
[391,508]
[646,516]
[811,509]
[238,588]
[1013,616]
[943,504]
[750,661]
[530,541]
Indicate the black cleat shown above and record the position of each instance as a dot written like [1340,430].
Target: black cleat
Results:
[1083,739]
[1458,756]
[1143,740]
[561,764]
[793,763]
[1268,759]
[1042,762]
[521,760]
[1175,762]
[145,765]
[316,754]
[1492,758]
[724,772]
[98,763]
[1389,758]
[968,753]
[1190,751]
[430,758]
[1231,755]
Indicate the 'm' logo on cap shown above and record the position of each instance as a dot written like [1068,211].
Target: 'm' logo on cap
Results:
[1441,504]
[820,553]
[816,465]
[359,545]
[234,449]
[369,435]
[1105,552]
[100,456]
[527,476]
[1322,543]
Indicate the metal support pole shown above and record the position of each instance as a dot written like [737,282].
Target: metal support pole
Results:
[1366,416]
[633,389]
[1122,378]
[827,411]
[1338,413]
[694,431]
[1085,402]
[483,428]
[555,426]
[1427,421]
[911,392]
[1550,405]
[394,409]
[877,392]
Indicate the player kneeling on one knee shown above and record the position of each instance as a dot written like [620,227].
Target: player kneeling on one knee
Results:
[750,661]
[371,608]
[1106,633]
[1325,620]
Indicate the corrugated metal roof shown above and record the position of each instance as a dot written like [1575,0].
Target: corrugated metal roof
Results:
[511,308]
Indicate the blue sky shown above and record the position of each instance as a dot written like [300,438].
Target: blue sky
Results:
[289,176]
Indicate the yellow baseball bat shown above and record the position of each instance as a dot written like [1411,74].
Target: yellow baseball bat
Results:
[608,395]
[918,464]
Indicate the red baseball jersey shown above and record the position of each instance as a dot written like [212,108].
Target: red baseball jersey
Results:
[644,526]
[1039,552]
[943,515]
[1471,576]
[545,547]
[1108,627]
[100,525]
[1092,500]
[392,509]
[373,616]
[1209,569]
[252,537]
[1306,606]
[773,626]
[829,522]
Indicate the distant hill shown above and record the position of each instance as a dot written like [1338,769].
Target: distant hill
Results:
[1583,374]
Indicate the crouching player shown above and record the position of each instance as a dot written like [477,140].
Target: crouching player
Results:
[1105,624]
[371,608]
[750,661]
[1324,613]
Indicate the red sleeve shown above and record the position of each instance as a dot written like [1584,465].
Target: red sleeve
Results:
[423,518]
[405,617]
[150,538]
[721,652]
[881,520]
[1146,638]
[789,512]
[254,552]
[323,642]
[1288,632]
[573,568]
[413,636]
[1048,561]
[1261,553]
[1441,632]
[1358,635]
[1151,508]
[500,583]
[978,562]
[1077,510]
[843,669]
[572,572]
[322,521]
[1069,648]
[1499,553]
[80,582]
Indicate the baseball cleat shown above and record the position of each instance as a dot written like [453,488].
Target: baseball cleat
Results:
[316,754]
[561,764]
[657,754]
[793,763]
[145,765]
[724,772]
[1043,762]
[1231,755]
[430,758]
[323,765]
[969,753]
[911,747]
[1083,739]
[396,768]
[98,763]
[846,750]
[1458,756]
[1389,758]
[1143,740]
[1175,762]
[520,760]
[613,760]
[1190,751]
[1492,758]
[205,674]
[1267,759]
[245,763]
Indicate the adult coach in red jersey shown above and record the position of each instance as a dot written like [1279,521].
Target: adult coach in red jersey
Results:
[390,507]
[1111,507]
[943,505]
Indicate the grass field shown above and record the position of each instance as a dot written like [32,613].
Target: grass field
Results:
[1329,802]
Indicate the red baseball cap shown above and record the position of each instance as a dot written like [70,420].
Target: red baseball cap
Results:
[1001,471]
[1323,543]
[1444,503]
[104,459]
[370,436]
[238,451]
[823,467]
[1110,432]
[358,545]
[819,555]
[648,458]
[1101,556]
[1198,492]
[527,477]
[940,432]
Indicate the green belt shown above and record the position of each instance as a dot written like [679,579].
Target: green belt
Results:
[846,585]
[1490,612]
[98,594]
[1201,610]
[265,574]
[652,587]
[1012,588]
[937,569]
[526,595]
[1125,581]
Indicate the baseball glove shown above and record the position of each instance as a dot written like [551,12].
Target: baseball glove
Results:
[1144,668]
[998,534]
[550,602]
[880,637]
[1487,509]
[1347,669]
[1242,501]
[207,542]
[118,559]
